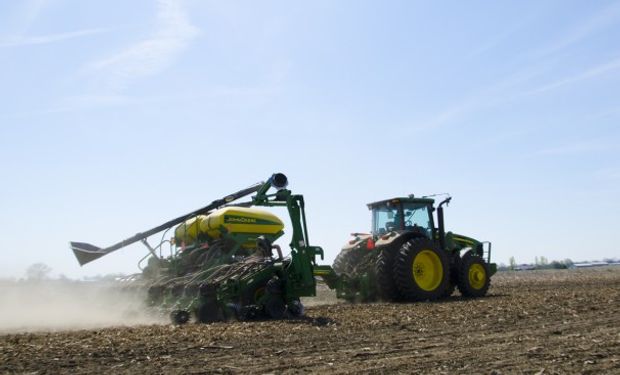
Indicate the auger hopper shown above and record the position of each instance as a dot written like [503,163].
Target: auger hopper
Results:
[223,263]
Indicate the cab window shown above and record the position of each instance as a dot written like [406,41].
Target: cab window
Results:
[418,215]
[385,219]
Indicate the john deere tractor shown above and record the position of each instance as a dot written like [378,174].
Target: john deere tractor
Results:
[409,256]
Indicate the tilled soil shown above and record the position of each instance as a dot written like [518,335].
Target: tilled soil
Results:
[532,322]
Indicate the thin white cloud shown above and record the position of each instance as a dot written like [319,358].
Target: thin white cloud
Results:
[85,102]
[18,41]
[507,91]
[152,55]
[612,173]
[489,96]
[590,73]
[602,19]
[577,147]
[542,60]
[28,13]
[497,39]
[610,112]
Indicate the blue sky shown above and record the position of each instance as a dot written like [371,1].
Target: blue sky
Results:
[116,116]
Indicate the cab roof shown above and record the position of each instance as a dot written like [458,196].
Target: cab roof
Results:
[409,199]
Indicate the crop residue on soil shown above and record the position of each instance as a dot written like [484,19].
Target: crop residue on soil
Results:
[553,322]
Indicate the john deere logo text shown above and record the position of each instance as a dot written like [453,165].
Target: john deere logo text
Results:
[239,220]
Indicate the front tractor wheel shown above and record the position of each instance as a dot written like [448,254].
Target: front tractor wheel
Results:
[421,270]
[473,276]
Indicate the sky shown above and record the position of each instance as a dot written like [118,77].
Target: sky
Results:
[116,116]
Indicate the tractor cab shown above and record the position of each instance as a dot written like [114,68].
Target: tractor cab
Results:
[402,214]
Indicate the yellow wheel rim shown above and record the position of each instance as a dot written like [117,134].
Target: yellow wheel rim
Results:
[427,270]
[477,276]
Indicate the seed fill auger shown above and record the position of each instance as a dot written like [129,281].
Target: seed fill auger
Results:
[221,263]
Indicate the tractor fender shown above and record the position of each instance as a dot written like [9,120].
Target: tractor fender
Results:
[396,238]
[359,241]
[459,242]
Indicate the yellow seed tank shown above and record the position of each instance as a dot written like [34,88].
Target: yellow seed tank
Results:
[233,220]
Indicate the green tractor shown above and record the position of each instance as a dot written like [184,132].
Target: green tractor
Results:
[221,262]
[407,257]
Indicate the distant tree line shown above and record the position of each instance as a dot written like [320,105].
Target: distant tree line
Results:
[41,272]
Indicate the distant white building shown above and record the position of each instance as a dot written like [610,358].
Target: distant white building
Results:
[590,264]
[525,267]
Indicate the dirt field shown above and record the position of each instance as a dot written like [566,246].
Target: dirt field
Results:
[533,322]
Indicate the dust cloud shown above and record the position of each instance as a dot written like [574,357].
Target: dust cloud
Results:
[324,296]
[54,305]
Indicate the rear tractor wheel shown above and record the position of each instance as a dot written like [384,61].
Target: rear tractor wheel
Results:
[386,285]
[473,276]
[421,270]
[346,261]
